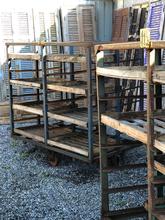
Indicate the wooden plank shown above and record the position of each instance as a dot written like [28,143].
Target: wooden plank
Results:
[24,56]
[36,133]
[67,119]
[26,83]
[160,145]
[130,130]
[66,58]
[118,46]
[67,43]
[28,109]
[133,73]
[29,134]
[68,147]
[159,167]
[79,89]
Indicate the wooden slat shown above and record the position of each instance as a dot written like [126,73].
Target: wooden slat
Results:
[26,82]
[79,89]
[36,133]
[133,73]
[24,56]
[130,130]
[66,58]
[159,167]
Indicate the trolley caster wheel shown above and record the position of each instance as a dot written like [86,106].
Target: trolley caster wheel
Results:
[53,159]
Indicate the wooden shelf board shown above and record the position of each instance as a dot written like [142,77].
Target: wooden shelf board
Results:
[61,137]
[76,87]
[24,56]
[66,58]
[159,166]
[136,128]
[27,82]
[63,111]
[132,73]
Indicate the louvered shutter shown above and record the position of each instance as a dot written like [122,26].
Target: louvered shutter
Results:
[23,31]
[155,21]
[120,25]
[86,22]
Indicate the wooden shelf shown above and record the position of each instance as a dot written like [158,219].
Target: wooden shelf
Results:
[66,58]
[75,87]
[31,82]
[24,56]
[59,110]
[61,137]
[66,139]
[132,73]
[137,128]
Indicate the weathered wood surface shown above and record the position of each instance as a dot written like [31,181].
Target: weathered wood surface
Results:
[66,58]
[63,111]
[137,129]
[159,167]
[132,73]
[24,56]
[27,82]
[125,127]
[63,138]
[76,87]
[37,108]
[118,46]
[78,117]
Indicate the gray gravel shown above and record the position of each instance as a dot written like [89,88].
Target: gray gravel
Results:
[32,189]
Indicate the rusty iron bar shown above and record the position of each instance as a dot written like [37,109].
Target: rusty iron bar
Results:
[10,92]
[150,131]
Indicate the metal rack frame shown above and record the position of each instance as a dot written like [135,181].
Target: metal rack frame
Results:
[43,59]
[122,122]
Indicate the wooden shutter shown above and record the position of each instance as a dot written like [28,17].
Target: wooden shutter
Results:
[86,22]
[120,25]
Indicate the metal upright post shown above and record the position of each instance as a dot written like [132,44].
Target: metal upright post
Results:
[102,143]
[45,105]
[10,92]
[150,132]
[38,92]
[90,108]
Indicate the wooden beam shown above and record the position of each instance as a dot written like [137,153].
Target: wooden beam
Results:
[118,46]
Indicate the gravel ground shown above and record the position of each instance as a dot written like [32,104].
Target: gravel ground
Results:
[32,189]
